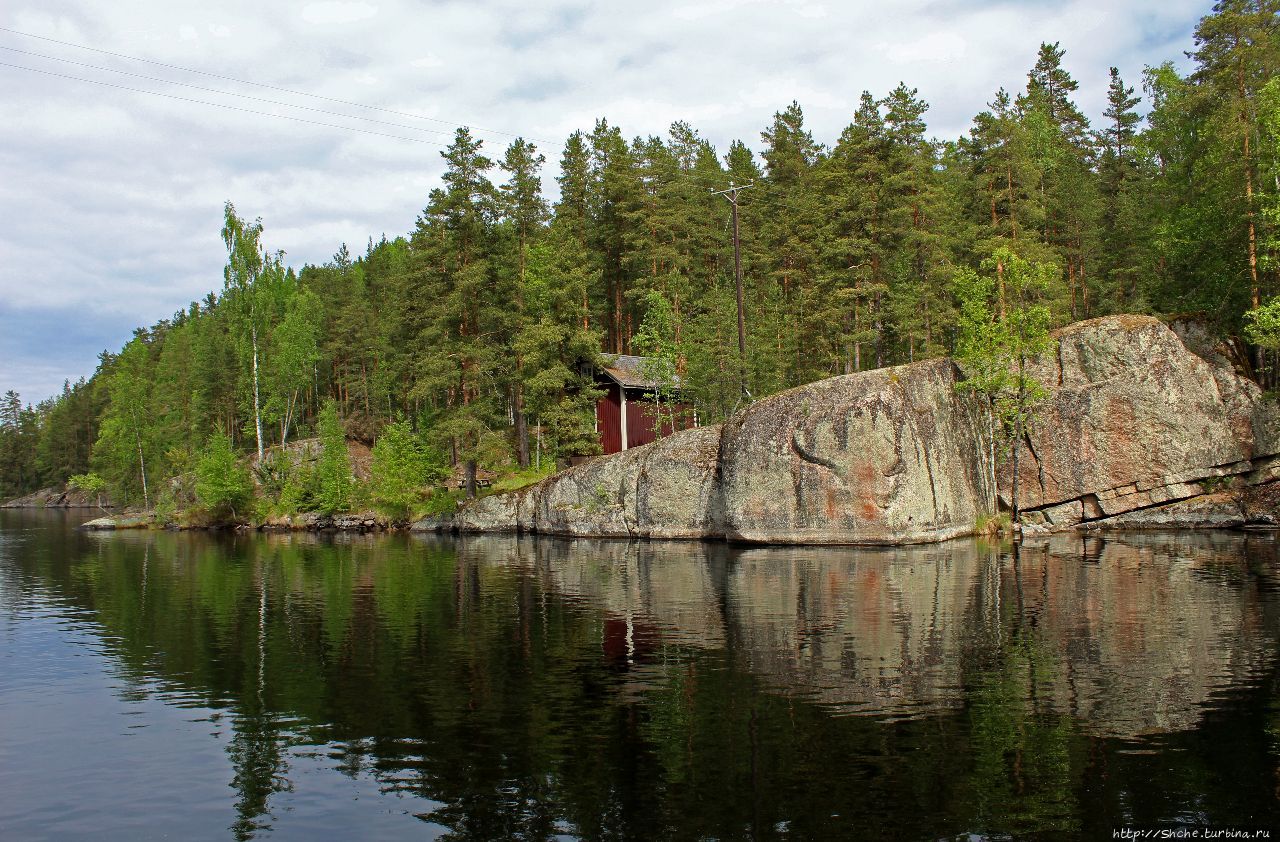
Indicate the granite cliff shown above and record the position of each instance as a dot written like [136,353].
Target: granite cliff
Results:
[1143,427]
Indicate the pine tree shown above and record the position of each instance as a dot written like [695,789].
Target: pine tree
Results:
[1061,146]
[524,211]
[1238,52]
[462,359]
[1124,220]
[125,440]
[790,233]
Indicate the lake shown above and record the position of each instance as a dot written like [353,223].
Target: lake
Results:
[191,685]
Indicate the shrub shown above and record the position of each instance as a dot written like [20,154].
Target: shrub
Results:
[223,484]
[333,470]
[91,484]
[403,471]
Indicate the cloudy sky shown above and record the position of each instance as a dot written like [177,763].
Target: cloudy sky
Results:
[116,156]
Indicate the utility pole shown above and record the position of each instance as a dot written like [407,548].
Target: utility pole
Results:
[732,195]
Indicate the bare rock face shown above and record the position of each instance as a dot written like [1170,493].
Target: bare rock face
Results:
[1136,419]
[662,490]
[1144,427]
[495,513]
[596,498]
[677,490]
[58,498]
[888,456]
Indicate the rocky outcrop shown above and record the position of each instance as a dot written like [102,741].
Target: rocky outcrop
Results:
[1220,510]
[1140,420]
[57,498]
[662,490]
[887,456]
[127,521]
[1143,428]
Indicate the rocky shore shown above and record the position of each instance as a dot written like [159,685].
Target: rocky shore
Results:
[305,522]
[56,498]
[1145,426]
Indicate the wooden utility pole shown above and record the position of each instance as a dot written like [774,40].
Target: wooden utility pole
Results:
[732,195]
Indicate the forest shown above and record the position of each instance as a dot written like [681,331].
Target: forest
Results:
[469,339]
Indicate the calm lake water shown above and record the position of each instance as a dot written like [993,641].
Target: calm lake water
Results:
[308,687]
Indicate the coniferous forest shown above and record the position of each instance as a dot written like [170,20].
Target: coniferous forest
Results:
[472,333]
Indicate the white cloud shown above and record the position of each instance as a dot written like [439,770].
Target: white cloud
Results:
[927,49]
[337,12]
[112,200]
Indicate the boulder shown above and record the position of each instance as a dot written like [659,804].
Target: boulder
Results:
[890,456]
[666,489]
[433,523]
[495,513]
[677,491]
[1135,419]
[596,498]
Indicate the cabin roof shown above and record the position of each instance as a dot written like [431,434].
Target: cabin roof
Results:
[627,371]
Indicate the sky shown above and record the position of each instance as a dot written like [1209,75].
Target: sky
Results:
[128,125]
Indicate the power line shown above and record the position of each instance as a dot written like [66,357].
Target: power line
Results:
[452,123]
[222,105]
[225,93]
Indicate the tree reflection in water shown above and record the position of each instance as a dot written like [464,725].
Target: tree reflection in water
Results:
[521,688]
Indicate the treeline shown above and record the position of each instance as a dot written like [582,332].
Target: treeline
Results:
[479,326]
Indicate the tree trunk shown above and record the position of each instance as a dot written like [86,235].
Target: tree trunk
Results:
[522,425]
[142,464]
[470,473]
[257,405]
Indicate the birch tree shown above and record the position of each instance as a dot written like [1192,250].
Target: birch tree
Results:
[254,283]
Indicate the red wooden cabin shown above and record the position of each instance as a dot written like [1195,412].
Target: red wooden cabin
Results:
[625,416]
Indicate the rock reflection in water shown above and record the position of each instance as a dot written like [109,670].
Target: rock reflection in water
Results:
[495,687]
[1127,634]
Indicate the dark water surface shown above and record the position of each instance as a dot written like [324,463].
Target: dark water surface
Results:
[300,687]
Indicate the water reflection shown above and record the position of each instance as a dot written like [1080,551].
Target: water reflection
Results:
[532,688]
[1130,634]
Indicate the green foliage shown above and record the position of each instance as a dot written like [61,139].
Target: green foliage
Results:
[334,485]
[1003,324]
[223,484]
[299,492]
[657,342]
[482,325]
[403,471]
[441,501]
[1262,325]
[90,484]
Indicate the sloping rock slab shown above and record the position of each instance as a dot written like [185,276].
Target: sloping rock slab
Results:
[118,522]
[1222,510]
[661,490]
[433,523]
[1134,420]
[880,457]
